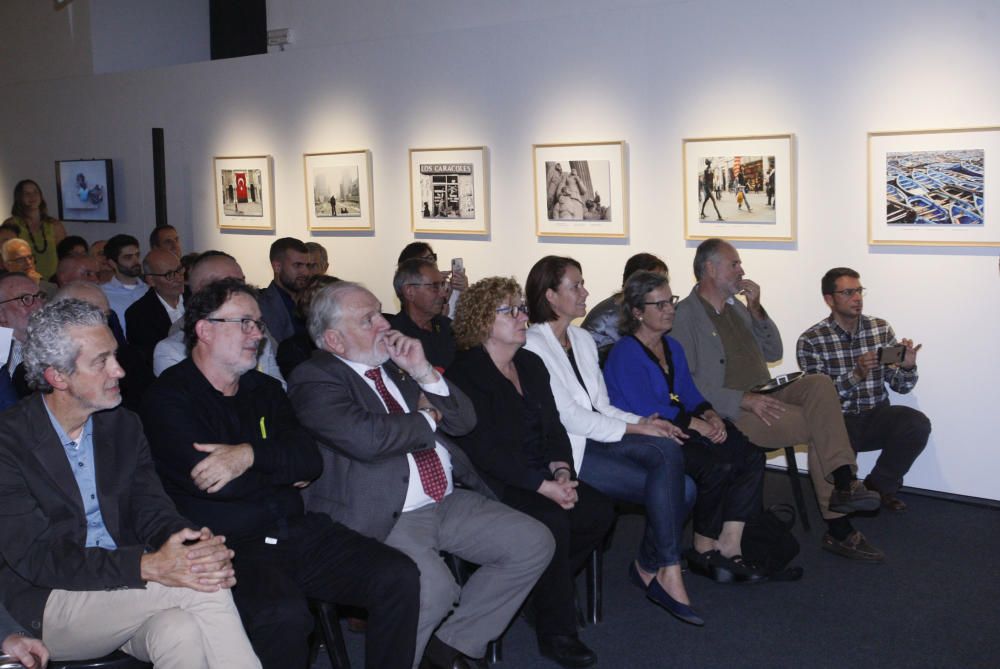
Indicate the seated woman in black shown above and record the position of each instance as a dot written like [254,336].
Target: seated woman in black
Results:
[523,452]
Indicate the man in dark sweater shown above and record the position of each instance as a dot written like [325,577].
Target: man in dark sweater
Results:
[422,291]
[232,455]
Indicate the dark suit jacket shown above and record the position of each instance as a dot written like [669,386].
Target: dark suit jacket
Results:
[274,312]
[43,527]
[365,470]
[497,445]
[147,322]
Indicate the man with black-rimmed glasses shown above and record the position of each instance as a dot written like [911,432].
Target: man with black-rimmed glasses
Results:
[845,346]
[19,298]
[148,319]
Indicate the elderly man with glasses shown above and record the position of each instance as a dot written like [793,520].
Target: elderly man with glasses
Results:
[422,292]
[19,298]
[17,257]
[846,347]
[148,319]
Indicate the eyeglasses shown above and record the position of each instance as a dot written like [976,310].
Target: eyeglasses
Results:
[246,324]
[169,276]
[21,260]
[850,292]
[513,310]
[28,298]
[662,304]
[436,285]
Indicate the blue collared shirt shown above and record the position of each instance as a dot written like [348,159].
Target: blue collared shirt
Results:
[80,454]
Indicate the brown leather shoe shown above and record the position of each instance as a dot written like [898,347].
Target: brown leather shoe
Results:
[889,500]
[857,497]
[855,547]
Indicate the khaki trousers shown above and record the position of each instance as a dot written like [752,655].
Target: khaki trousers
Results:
[813,418]
[174,628]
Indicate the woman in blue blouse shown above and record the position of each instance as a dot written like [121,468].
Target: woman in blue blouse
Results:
[647,373]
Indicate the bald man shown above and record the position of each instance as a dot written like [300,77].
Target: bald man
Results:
[209,267]
[76,268]
[149,318]
[17,257]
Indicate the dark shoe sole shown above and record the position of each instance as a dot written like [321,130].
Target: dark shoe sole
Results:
[865,504]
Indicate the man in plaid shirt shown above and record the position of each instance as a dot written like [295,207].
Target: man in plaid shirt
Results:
[845,346]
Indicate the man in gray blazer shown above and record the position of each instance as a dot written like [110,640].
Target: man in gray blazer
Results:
[379,411]
[290,263]
[728,346]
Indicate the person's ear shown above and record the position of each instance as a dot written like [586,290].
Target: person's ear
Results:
[333,341]
[55,378]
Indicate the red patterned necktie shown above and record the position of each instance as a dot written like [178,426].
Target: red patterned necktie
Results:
[432,476]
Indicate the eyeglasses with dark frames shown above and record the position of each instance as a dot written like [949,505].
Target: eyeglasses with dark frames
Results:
[850,292]
[513,310]
[662,304]
[246,324]
[170,275]
[28,298]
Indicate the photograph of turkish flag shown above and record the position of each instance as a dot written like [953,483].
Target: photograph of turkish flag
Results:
[241,187]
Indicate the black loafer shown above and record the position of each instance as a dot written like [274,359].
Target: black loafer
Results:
[567,650]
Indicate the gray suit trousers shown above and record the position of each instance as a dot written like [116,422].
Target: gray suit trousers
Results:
[511,548]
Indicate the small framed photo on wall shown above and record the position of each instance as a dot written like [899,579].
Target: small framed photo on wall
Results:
[934,187]
[580,190]
[739,188]
[339,191]
[85,190]
[244,192]
[449,191]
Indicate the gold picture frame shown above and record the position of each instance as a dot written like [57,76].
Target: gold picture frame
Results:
[244,192]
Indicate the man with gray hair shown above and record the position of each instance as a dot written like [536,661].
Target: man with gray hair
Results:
[422,293]
[319,262]
[728,345]
[93,548]
[380,411]
[148,319]
[19,298]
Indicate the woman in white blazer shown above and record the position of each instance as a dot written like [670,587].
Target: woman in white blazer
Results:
[627,457]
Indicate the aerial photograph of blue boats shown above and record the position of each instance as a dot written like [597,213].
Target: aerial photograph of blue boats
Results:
[935,188]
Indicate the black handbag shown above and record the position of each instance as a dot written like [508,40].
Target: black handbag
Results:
[769,545]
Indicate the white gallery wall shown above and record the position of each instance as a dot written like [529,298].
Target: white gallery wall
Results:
[389,76]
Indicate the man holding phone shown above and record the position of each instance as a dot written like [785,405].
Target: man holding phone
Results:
[860,353]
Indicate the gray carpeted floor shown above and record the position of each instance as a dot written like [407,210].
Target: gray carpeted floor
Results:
[933,603]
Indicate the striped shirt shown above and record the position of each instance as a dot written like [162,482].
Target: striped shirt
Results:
[826,348]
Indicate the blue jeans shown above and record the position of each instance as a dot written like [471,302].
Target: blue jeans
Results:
[648,471]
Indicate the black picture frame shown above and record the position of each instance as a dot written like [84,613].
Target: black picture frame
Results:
[85,190]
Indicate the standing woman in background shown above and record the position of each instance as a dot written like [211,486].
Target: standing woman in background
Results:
[30,215]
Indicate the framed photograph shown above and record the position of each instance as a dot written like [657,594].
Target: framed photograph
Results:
[244,193]
[85,190]
[339,190]
[934,187]
[580,190]
[449,191]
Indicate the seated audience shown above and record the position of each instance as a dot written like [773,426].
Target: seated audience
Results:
[319,262]
[624,455]
[845,347]
[125,287]
[210,266]
[522,450]
[728,345]
[17,257]
[165,238]
[148,319]
[421,290]
[602,321]
[456,281]
[297,348]
[232,455]
[290,264]
[380,413]
[647,373]
[76,268]
[92,545]
[20,646]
